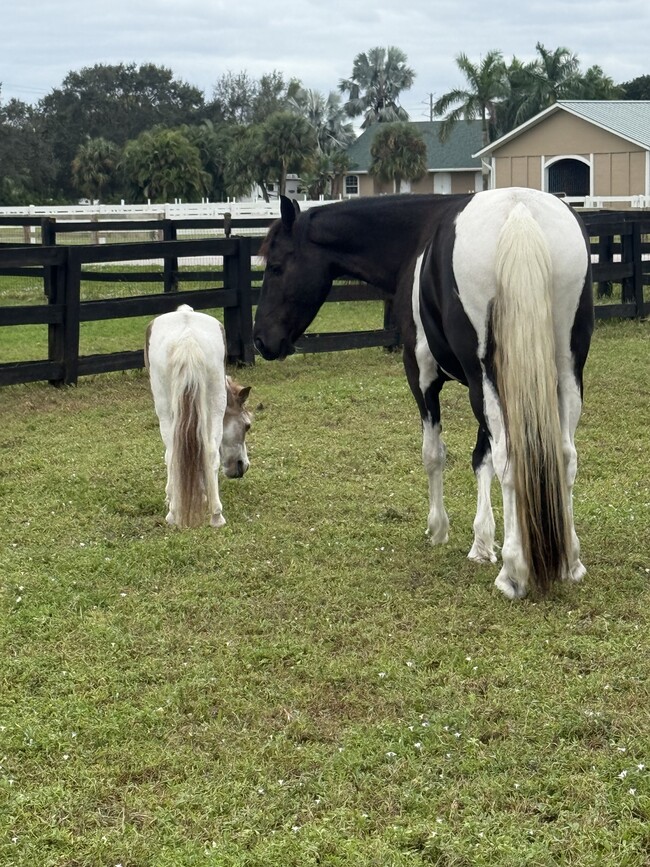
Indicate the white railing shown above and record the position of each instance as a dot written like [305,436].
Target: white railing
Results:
[596,202]
[176,211]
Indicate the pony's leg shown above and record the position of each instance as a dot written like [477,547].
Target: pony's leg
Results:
[512,580]
[483,548]
[168,439]
[216,509]
[570,409]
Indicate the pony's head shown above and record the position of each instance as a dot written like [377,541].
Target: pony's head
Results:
[236,424]
[297,278]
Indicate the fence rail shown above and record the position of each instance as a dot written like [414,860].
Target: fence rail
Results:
[620,244]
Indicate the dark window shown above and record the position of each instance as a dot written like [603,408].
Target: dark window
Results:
[570,177]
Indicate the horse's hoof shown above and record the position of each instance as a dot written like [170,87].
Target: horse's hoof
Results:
[437,538]
[217,521]
[170,519]
[577,573]
[481,554]
[510,589]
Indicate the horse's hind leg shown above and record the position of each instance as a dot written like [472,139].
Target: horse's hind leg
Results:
[570,409]
[426,383]
[483,548]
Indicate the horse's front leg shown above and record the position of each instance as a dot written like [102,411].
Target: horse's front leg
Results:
[482,550]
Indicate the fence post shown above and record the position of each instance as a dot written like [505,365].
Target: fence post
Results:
[238,320]
[390,324]
[48,239]
[605,243]
[170,273]
[632,287]
[63,337]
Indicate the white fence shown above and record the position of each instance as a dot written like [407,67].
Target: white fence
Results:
[176,211]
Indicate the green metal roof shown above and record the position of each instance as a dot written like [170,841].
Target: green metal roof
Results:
[455,153]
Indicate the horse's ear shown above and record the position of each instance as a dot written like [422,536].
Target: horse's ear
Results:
[289,210]
[242,397]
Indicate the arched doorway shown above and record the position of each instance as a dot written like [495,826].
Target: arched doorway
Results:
[569,176]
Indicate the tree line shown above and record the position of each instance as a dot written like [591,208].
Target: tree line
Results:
[135,132]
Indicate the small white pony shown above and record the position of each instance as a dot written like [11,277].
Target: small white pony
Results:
[201,412]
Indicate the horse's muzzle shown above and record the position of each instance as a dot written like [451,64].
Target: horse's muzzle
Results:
[271,353]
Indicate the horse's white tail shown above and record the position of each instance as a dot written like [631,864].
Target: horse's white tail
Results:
[527,384]
[191,469]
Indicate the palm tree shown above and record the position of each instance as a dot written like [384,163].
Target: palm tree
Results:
[378,77]
[398,153]
[551,76]
[486,87]
[94,166]
[326,116]
[289,144]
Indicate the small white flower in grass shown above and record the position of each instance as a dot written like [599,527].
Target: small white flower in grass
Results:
[417,745]
[65,757]
[382,674]
[260,791]
[295,828]
[631,791]
[390,754]
[622,775]
[410,663]
[640,767]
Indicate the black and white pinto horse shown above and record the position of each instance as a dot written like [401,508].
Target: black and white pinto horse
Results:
[492,289]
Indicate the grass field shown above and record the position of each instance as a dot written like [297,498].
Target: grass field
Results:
[314,684]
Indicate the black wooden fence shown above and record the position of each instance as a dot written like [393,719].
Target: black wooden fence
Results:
[618,238]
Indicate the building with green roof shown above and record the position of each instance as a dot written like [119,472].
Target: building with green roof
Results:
[452,164]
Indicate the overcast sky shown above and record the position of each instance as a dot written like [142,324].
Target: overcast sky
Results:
[315,41]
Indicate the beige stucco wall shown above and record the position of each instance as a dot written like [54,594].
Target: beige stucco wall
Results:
[618,167]
[461,182]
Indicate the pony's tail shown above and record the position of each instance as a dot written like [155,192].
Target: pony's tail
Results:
[191,469]
[527,385]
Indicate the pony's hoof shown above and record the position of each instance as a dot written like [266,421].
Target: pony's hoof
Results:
[510,589]
[170,519]
[217,521]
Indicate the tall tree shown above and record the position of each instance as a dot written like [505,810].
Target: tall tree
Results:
[398,153]
[116,102]
[161,164]
[289,145]
[94,168]
[326,116]
[240,99]
[378,78]
[486,87]
[27,164]
[637,88]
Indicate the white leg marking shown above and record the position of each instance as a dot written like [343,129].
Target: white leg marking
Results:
[433,448]
[570,409]
[433,458]
[512,580]
[482,551]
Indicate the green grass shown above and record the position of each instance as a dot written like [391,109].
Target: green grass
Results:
[314,684]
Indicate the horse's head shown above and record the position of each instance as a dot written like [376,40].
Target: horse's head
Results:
[296,280]
[236,424]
